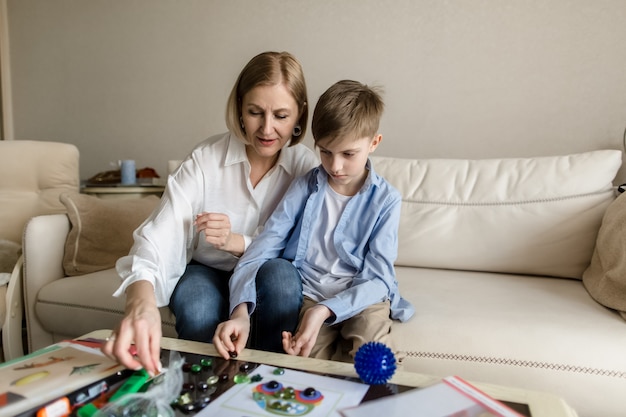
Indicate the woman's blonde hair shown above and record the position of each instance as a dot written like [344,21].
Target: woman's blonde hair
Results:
[268,68]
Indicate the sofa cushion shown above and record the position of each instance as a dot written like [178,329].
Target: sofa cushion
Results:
[605,279]
[537,216]
[536,333]
[101,230]
[66,315]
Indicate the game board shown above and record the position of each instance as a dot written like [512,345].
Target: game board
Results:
[210,385]
[275,391]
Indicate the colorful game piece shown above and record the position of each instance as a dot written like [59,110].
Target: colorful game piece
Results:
[311,394]
[271,387]
[241,379]
[286,401]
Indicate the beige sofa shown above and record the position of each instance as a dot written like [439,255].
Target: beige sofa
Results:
[492,255]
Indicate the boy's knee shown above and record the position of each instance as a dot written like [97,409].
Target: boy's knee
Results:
[279,275]
[275,266]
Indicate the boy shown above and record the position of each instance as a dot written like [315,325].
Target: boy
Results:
[337,228]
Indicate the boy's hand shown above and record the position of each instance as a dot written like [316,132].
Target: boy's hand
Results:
[231,336]
[302,343]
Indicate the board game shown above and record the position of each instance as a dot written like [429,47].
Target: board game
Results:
[57,371]
[207,386]
[214,386]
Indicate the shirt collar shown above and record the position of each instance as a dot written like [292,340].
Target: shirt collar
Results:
[373,179]
[236,154]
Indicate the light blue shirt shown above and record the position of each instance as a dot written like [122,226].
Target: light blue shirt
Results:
[366,238]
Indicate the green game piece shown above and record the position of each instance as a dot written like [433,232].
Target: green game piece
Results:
[241,379]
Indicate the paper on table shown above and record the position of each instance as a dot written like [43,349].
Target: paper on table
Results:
[447,398]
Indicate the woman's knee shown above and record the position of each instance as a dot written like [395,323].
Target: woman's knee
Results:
[200,297]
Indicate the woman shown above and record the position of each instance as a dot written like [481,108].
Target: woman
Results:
[213,205]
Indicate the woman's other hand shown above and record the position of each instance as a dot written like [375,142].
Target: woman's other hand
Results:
[218,233]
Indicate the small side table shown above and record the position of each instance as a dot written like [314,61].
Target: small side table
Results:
[124,191]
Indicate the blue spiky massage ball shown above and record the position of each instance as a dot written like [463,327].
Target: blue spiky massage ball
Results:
[374,363]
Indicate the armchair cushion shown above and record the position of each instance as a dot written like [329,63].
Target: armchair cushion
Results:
[32,175]
[9,254]
[101,230]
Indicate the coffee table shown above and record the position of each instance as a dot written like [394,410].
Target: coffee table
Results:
[541,404]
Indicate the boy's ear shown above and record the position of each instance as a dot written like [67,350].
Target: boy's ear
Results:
[375,142]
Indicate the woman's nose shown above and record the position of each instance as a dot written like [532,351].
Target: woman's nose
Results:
[268,126]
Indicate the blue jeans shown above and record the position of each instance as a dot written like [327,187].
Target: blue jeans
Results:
[200,303]
[279,298]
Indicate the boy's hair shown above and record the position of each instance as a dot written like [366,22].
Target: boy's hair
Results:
[268,68]
[347,109]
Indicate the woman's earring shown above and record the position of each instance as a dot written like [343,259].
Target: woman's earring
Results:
[242,126]
[297,130]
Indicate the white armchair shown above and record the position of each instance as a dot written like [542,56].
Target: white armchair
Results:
[33,174]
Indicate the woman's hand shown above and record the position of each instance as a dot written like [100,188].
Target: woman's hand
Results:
[136,342]
[302,343]
[218,232]
[231,336]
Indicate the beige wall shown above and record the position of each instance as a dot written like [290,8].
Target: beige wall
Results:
[148,79]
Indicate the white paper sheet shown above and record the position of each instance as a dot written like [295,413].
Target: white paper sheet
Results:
[337,393]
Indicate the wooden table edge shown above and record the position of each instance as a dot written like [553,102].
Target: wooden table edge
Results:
[541,404]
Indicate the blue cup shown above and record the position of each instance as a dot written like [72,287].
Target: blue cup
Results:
[129,173]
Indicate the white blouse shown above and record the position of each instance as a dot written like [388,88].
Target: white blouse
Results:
[215,177]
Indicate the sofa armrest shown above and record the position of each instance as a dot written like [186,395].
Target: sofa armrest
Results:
[43,248]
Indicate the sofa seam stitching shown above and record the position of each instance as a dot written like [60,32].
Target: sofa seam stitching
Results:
[518,363]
